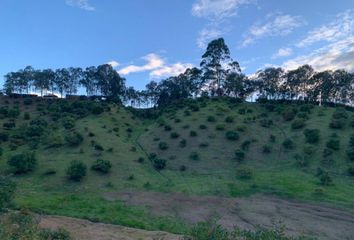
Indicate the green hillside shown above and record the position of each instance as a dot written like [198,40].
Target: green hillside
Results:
[216,146]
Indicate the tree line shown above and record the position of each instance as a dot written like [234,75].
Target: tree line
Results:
[218,75]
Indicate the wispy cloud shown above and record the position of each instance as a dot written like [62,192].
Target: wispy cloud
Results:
[283,52]
[217,10]
[114,64]
[83,4]
[206,35]
[337,55]
[341,27]
[157,67]
[276,25]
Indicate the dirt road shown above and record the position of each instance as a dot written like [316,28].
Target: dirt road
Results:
[86,230]
[247,213]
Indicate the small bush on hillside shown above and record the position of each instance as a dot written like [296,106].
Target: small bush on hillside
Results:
[351,171]
[350,154]
[55,141]
[306,108]
[26,116]
[187,113]
[220,127]
[103,166]
[309,150]
[174,135]
[246,145]
[59,234]
[229,119]
[312,135]
[340,113]
[242,111]
[303,116]
[7,190]
[98,147]
[211,119]
[23,162]
[204,145]
[245,173]
[241,128]
[337,123]
[333,144]
[68,122]
[49,172]
[272,138]
[289,114]
[288,144]
[27,102]
[183,143]
[194,156]
[34,131]
[239,155]
[168,128]
[163,146]
[203,127]
[4,136]
[141,160]
[298,124]
[9,125]
[74,139]
[232,135]
[193,133]
[266,149]
[13,113]
[183,168]
[97,109]
[325,179]
[76,170]
[194,107]
[327,152]
[266,123]
[159,164]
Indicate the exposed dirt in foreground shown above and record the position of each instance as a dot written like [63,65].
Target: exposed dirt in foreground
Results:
[247,213]
[86,230]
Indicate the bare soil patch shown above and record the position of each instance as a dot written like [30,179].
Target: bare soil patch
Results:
[247,213]
[86,230]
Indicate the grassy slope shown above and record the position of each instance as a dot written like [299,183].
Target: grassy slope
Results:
[213,174]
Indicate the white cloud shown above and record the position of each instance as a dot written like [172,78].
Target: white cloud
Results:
[341,27]
[83,4]
[337,55]
[153,61]
[157,67]
[171,70]
[278,25]
[283,52]
[114,64]
[206,35]
[217,9]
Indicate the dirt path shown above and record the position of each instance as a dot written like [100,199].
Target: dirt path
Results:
[86,230]
[247,213]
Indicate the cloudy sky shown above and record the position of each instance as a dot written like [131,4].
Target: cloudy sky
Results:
[152,39]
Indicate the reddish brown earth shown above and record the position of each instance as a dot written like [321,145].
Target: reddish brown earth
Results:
[86,230]
[247,213]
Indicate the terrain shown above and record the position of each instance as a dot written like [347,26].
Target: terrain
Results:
[245,164]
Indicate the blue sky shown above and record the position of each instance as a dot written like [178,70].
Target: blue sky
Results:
[152,39]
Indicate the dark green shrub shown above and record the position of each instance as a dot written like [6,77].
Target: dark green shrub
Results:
[159,164]
[27,102]
[59,234]
[55,141]
[98,147]
[229,119]
[68,122]
[325,179]
[183,168]
[266,149]
[242,111]
[103,166]
[4,136]
[163,146]
[350,154]
[26,116]
[74,139]
[193,133]
[351,171]
[34,131]
[97,109]
[204,145]
[306,108]
[245,145]
[220,127]
[232,135]
[337,123]
[288,144]
[174,135]
[309,150]
[76,170]
[241,128]
[327,152]
[289,114]
[340,113]
[333,144]
[272,138]
[303,116]
[13,113]
[203,127]
[183,143]
[245,173]
[141,160]
[194,156]
[240,155]
[266,123]
[9,125]
[7,190]
[23,162]
[211,119]
[298,124]
[312,135]
[168,128]
[49,172]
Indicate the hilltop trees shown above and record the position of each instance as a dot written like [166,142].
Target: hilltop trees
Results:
[218,75]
